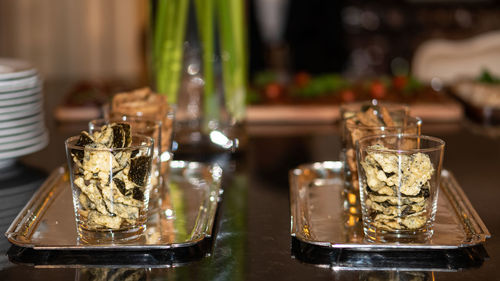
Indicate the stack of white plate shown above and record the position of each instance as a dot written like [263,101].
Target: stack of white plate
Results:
[22,127]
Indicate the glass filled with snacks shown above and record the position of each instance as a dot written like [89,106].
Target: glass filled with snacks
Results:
[366,119]
[110,173]
[399,178]
[146,104]
[138,126]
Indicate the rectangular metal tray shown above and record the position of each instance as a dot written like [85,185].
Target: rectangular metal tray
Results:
[320,215]
[185,217]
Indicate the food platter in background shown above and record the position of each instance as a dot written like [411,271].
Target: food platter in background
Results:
[316,99]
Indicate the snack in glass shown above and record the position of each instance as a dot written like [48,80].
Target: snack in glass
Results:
[399,181]
[138,126]
[145,103]
[371,118]
[110,174]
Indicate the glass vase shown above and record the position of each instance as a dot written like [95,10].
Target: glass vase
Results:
[198,58]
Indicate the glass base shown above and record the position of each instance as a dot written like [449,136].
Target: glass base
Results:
[110,236]
[374,234]
[191,137]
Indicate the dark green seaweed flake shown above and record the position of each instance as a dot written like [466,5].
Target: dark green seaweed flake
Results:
[425,192]
[407,211]
[83,140]
[134,153]
[386,204]
[139,170]
[388,175]
[127,134]
[120,185]
[118,136]
[137,194]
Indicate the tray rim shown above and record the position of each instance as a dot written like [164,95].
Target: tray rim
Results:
[13,233]
[467,209]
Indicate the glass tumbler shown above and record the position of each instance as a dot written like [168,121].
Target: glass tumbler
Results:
[164,114]
[139,126]
[399,181]
[110,187]
[366,119]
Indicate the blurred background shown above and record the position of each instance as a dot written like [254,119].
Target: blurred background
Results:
[103,42]
[93,39]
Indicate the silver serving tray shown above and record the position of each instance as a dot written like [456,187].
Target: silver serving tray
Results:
[184,218]
[320,215]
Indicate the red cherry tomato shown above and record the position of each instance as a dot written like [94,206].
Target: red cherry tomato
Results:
[301,79]
[347,96]
[399,82]
[377,90]
[273,91]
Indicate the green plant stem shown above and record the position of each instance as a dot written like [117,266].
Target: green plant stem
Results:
[169,33]
[205,17]
[168,37]
[231,24]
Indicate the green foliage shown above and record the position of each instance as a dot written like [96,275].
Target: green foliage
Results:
[322,85]
[413,85]
[487,78]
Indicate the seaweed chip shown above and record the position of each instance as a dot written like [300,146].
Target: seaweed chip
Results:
[134,153]
[137,194]
[139,170]
[407,211]
[120,185]
[83,140]
[128,135]
[119,138]
[425,192]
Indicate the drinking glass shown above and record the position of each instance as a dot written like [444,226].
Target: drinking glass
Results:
[399,178]
[371,118]
[163,114]
[111,188]
[138,126]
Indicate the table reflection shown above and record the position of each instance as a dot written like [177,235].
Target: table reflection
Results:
[396,276]
[17,184]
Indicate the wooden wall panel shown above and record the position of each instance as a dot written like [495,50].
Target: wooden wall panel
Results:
[77,39]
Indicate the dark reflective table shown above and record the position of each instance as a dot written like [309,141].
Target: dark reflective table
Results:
[253,223]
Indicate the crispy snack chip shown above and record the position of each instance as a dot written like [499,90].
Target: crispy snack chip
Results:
[112,180]
[139,168]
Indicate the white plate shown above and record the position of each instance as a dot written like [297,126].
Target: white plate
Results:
[22,100]
[29,111]
[8,146]
[19,94]
[20,137]
[14,69]
[38,145]
[19,84]
[8,110]
[4,132]
[28,120]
